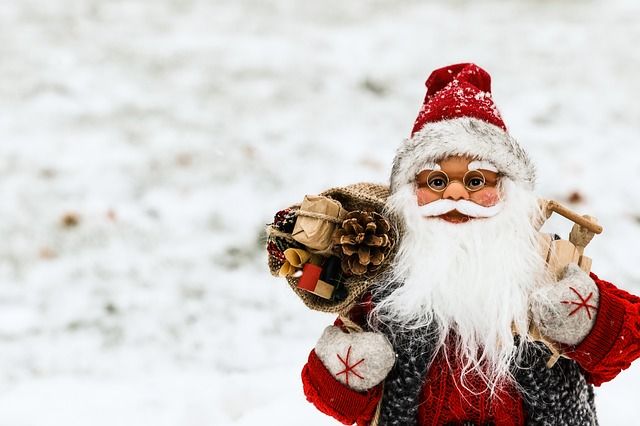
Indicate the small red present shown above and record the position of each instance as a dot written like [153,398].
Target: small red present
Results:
[310,281]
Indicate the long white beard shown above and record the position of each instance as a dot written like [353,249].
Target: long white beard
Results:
[471,280]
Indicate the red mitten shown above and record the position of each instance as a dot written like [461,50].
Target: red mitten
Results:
[358,360]
[566,311]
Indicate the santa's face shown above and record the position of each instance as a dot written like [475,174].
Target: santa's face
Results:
[447,188]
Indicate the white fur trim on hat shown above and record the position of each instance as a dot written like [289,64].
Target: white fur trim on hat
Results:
[461,136]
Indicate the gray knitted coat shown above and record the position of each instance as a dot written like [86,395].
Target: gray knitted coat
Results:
[558,396]
[552,396]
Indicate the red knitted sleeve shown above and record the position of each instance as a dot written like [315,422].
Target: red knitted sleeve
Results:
[614,341]
[335,399]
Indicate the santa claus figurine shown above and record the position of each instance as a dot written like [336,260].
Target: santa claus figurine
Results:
[445,333]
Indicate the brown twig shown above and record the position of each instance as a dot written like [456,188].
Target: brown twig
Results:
[554,206]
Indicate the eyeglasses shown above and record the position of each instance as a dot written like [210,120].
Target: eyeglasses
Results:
[438,181]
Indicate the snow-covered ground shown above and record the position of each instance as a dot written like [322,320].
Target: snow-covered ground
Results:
[144,144]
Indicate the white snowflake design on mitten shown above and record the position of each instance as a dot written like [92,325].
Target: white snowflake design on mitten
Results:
[349,368]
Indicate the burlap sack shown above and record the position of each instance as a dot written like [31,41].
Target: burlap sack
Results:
[360,196]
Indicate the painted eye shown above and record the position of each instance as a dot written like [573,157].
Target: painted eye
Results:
[438,181]
[474,181]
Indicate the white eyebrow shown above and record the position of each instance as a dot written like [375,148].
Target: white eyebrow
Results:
[484,165]
[431,166]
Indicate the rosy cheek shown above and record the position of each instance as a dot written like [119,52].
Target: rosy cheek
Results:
[486,197]
[425,196]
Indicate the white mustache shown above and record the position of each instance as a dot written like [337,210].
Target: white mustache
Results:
[466,207]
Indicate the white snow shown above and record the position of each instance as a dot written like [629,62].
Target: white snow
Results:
[174,129]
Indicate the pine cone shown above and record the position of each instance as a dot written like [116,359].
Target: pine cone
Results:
[363,241]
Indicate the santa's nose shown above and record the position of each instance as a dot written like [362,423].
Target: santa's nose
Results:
[456,191]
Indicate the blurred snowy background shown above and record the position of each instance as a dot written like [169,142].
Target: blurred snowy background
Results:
[144,145]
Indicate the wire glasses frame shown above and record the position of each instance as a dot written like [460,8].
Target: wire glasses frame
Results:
[438,181]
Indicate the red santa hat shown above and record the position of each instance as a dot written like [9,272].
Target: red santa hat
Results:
[459,117]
